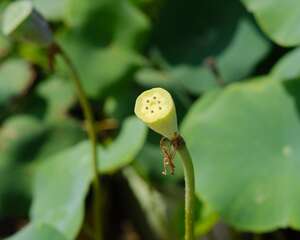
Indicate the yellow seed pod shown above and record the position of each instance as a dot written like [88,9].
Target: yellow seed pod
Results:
[156,108]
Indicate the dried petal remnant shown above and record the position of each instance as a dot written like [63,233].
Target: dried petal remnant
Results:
[23,22]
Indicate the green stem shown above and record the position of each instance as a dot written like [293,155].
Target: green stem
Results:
[88,115]
[189,187]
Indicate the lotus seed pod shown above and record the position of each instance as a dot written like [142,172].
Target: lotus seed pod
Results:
[23,22]
[156,108]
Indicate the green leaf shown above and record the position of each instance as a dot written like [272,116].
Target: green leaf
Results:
[104,53]
[164,209]
[5,46]
[125,148]
[194,80]
[246,163]
[287,67]
[278,19]
[14,15]
[117,104]
[205,220]
[246,49]
[118,22]
[62,205]
[15,76]
[228,36]
[151,201]
[24,141]
[98,67]
[53,10]
[59,95]
[61,185]
[20,135]
[59,136]
[17,135]
[37,231]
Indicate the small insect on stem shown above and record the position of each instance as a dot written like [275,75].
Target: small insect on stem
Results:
[168,155]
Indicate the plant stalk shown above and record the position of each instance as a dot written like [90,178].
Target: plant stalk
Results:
[189,177]
[89,118]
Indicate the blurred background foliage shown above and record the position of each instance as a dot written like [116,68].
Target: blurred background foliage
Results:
[233,69]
